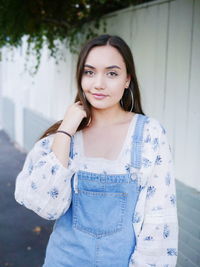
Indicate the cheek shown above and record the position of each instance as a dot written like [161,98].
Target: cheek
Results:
[85,83]
[118,82]
[118,87]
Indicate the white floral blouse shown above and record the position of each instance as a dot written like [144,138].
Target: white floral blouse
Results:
[44,186]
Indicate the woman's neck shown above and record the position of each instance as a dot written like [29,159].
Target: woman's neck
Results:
[108,117]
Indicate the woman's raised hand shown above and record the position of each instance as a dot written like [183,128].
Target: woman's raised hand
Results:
[73,117]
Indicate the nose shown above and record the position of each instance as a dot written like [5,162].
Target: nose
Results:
[99,82]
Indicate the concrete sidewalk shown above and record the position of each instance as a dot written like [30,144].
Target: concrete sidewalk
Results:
[23,234]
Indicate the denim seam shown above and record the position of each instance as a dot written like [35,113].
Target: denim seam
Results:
[137,142]
[115,194]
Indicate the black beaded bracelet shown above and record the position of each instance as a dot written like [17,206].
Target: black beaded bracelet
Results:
[64,133]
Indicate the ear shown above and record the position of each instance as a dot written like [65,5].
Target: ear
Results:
[128,80]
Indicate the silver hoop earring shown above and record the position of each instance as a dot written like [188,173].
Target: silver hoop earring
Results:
[132,100]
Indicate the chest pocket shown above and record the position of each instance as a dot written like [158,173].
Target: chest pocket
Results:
[99,205]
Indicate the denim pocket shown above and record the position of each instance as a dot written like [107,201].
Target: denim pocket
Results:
[99,213]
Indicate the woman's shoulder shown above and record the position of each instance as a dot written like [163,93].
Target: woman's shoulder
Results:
[154,127]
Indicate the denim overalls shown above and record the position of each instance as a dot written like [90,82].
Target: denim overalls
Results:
[97,229]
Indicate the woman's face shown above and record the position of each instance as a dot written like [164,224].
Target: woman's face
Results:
[104,77]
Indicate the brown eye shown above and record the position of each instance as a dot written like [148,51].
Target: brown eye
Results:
[88,72]
[113,74]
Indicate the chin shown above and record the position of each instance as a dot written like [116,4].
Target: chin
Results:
[102,106]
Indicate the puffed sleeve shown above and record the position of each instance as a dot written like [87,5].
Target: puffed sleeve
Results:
[157,242]
[44,184]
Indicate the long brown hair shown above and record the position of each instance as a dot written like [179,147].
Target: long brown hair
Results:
[125,52]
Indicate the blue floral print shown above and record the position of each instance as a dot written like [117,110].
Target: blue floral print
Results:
[151,191]
[155,144]
[51,216]
[45,143]
[158,160]
[148,238]
[53,192]
[166,231]
[148,139]
[146,162]
[171,252]
[40,164]
[30,168]
[141,187]
[173,199]
[54,169]
[127,167]
[163,129]
[44,153]
[33,186]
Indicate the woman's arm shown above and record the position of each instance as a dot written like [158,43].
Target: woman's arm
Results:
[44,184]
[157,242]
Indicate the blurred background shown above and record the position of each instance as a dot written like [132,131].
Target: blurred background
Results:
[39,41]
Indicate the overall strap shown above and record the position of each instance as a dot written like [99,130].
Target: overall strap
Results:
[71,152]
[136,153]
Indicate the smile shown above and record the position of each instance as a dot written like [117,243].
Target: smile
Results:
[99,96]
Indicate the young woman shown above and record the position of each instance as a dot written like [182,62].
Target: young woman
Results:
[105,172]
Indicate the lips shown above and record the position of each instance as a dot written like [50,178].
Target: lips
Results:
[99,94]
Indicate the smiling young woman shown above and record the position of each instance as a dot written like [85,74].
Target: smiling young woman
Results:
[105,82]
[105,172]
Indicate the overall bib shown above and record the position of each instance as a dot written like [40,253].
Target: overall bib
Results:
[97,229]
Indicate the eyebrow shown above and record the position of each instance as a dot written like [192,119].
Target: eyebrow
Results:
[110,67]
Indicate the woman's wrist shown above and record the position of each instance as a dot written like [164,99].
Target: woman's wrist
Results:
[64,132]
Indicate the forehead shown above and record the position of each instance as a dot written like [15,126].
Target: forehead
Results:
[104,56]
